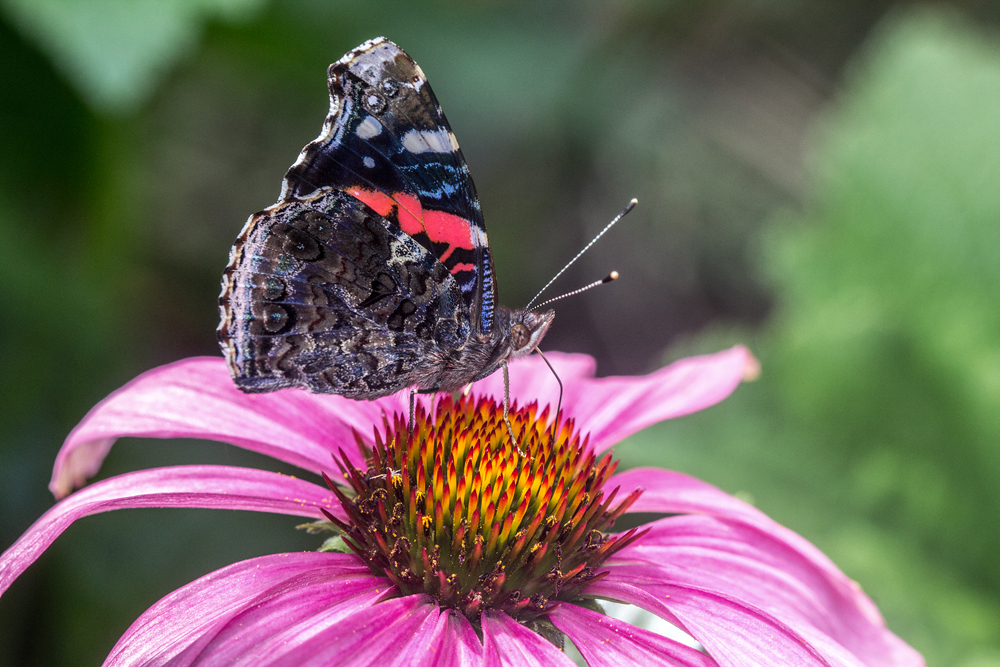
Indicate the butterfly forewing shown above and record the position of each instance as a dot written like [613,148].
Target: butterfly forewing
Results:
[387,143]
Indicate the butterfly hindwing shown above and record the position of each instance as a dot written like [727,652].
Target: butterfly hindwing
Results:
[387,143]
[325,293]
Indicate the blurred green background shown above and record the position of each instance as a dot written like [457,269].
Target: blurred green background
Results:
[820,180]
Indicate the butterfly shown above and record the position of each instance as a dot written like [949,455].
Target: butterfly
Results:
[372,273]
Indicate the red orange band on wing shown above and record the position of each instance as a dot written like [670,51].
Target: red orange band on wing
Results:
[440,227]
[380,202]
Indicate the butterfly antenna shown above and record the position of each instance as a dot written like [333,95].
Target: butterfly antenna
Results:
[611,224]
[606,279]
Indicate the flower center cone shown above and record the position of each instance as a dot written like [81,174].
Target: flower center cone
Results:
[455,511]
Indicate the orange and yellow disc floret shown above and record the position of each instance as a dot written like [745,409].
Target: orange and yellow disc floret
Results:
[456,512]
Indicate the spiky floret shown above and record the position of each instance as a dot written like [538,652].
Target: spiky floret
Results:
[454,511]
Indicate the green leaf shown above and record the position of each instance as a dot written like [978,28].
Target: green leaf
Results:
[115,52]
[335,545]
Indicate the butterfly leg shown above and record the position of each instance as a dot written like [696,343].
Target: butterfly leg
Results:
[413,394]
[506,407]
[409,424]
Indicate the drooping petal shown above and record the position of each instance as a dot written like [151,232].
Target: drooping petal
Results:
[607,642]
[814,588]
[231,613]
[672,492]
[734,634]
[215,487]
[728,556]
[507,642]
[196,398]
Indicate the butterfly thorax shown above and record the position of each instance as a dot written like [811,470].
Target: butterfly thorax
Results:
[516,333]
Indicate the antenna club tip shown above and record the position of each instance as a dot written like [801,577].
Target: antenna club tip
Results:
[613,275]
[633,202]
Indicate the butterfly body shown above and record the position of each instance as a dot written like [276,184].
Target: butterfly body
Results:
[373,272]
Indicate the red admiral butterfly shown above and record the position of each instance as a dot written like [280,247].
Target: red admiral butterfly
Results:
[373,271]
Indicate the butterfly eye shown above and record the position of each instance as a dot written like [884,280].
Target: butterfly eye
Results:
[519,336]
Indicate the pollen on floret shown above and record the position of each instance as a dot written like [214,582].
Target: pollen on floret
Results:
[455,511]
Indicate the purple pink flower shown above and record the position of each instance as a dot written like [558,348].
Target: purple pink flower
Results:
[455,549]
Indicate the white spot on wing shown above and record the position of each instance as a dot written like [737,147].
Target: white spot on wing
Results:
[369,162]
[434,141]
[369,128]
[419,78]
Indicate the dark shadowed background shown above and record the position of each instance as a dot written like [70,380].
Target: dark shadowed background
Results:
[819,180]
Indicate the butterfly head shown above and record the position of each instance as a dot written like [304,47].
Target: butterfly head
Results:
[527,330]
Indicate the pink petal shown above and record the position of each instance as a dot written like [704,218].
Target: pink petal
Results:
[861,627]
[607,642]
[676,493]
[461,645]
[612,408]
[217,487]
[324,636]
[196,398]
[746,563]
[377,635]
[200,622]
[507,642]
[734,634]
[403,631]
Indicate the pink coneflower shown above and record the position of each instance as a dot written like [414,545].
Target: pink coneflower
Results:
[456,549]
